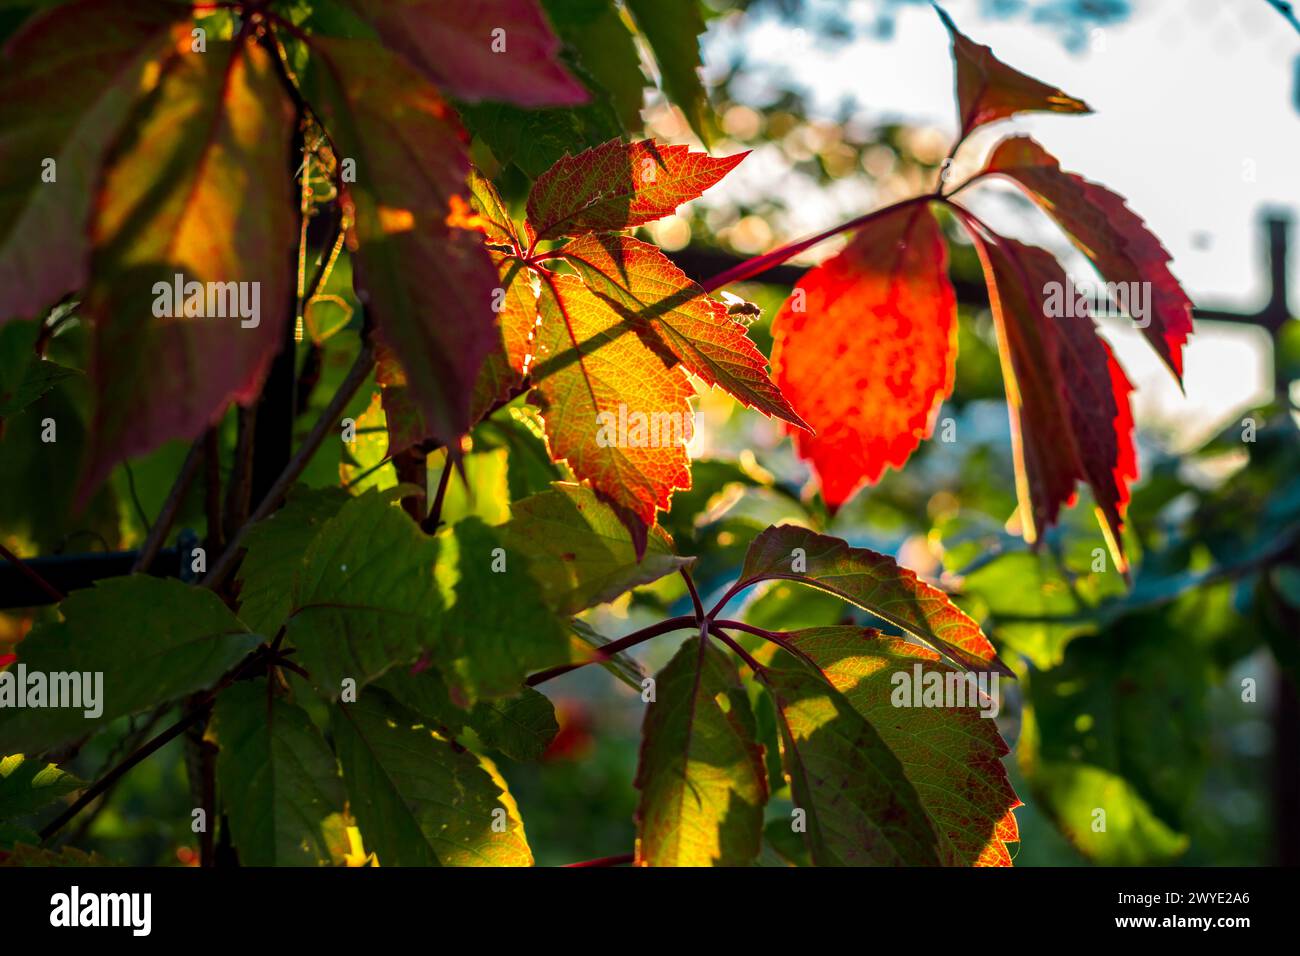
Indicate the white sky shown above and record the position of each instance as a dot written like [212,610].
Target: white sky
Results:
[1194,125]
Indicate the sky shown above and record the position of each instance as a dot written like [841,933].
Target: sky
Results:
[1194,124]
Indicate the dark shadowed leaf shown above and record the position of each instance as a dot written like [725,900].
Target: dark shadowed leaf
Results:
[423,800]
[278,778]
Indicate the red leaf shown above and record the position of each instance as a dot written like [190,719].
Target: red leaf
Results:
[601,389]
[869,358]
[989,90]
[1110,234]
[619,185]
[420,266]
[216,126]
[455,44]
[673,312]
[1068,397]
[70,77]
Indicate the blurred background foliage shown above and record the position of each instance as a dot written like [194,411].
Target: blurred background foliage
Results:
[1168,700]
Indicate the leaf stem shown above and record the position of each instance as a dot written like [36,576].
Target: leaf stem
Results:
[31,574]
[695,595]
[619,860]
[614,647]
[434,518]
[328,418]
[768,260]
[167,514]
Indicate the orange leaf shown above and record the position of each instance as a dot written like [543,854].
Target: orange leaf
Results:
[672,311]
[988,90]
[1110,234]
[1068,397]
[611,406]
[865,348]
[619,185]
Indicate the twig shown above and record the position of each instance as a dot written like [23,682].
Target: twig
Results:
[614,647]
[695,595]
[31,575]
[434,518]
[200,708]
[167,514]
[329,417]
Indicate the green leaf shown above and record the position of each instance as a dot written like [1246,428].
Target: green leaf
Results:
[672,27]
[24,375]
[422,800]
[276,548]
[498,628]
[22,854]
[701,775]
[859,807]
[604,47]
[873,582]
[151,639]
[278,779]
[534,140]
[952,755]
[1121,726]
[580,553]
[27,785]
[622,665]
[521,727]
[364,597]
[68,80]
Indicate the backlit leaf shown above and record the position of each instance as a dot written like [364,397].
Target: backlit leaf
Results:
[490,643]
[68,80]
[620,185]
[865,347]
[214,125]
[669,308]
[419,267]
[1111,235]
[484,50]
[521,727]
[579,550]
[1068,397]
[611,406]
[672,28]
[952,755]
[701,775]
[988,90]
[873,582]
[28,785]
[859,807]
